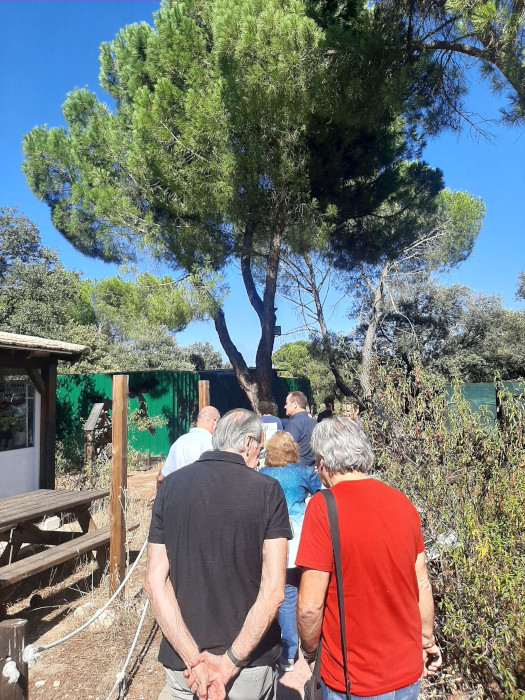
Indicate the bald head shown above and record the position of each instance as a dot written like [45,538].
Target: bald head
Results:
[207,418]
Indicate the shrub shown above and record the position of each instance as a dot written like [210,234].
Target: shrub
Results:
[466,476]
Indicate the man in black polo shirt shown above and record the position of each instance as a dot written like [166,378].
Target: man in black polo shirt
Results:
[216,568]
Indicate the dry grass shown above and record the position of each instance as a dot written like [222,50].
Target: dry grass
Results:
[60,601]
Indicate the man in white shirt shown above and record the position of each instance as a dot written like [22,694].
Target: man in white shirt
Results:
[189,447]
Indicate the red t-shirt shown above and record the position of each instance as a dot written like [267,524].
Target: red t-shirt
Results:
[380,535]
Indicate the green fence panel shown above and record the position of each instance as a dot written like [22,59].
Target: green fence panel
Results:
[479,396]
[516,388]
[484,396]
[171,395]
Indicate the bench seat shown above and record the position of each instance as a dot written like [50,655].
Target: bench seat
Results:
[55,555]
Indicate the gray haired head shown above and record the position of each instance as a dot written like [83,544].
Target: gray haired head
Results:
[343,446]
[234,427]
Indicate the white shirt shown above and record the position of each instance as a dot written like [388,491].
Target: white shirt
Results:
[187,449]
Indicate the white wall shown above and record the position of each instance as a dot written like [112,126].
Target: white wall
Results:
[19,469]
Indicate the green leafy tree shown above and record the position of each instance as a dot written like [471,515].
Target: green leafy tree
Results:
[121,304]
[455,332]
[37,293]
[19,240]
[238,129]
[301,359]
[127,324]
[441,235]
[520,293]
[203,356]
[460,33]
[445,239]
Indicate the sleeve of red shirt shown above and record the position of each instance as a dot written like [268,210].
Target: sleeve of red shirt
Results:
[315,546]
[420,541]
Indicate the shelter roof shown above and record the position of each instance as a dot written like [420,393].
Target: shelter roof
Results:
[42,346]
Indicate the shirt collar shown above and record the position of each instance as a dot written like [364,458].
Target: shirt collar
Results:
[222,456]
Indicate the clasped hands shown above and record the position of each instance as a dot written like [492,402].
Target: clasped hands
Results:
[208,675]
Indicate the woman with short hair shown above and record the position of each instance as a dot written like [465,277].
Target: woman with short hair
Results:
[388,605]
[298,482]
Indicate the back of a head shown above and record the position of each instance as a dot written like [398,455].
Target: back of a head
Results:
[299,398]
[281,449]
[208,413]
[267,408]
[329,402]
[234,427]
[343,446]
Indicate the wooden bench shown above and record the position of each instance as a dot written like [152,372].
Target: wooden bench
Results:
[53,556]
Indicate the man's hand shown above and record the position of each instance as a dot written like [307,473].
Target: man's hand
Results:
[205,683]
[222,666]
[432,661]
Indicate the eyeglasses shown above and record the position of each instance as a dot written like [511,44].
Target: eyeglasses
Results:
[257,441]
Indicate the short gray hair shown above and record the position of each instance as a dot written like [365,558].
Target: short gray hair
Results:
[343,446]
[234,427]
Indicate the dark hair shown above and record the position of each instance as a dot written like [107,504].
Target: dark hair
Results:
[267,408]
[281,449]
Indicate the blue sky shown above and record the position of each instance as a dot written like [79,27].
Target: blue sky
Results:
[49,47]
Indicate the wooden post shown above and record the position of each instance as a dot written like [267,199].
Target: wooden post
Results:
[119,477]
[12,644]
[48,426]
[204,393]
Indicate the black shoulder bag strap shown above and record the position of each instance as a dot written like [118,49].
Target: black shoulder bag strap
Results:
[331,509]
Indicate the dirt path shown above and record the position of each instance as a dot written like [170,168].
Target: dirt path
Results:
[84,667]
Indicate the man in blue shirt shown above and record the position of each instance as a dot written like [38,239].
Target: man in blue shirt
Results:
[300,426]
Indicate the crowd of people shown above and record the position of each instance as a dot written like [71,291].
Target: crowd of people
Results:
[241,570]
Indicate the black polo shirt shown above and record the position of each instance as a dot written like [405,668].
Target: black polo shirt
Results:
[213,516]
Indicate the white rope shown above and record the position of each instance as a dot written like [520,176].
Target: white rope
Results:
[31,654]
[10,672]
[121,675]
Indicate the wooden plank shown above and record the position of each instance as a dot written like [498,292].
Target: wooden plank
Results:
[48,426]
[39,500]
[54,556]
[37,504]
[204,393]
[35,377]
[119,477]
[12,644]
[93,417]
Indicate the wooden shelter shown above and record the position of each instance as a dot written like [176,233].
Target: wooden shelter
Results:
[28,376]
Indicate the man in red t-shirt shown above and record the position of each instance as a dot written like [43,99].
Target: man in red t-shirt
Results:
[389,610]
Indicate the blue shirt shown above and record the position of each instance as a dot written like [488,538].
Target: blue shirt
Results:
[272,419]
[300,426]
[297,482]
